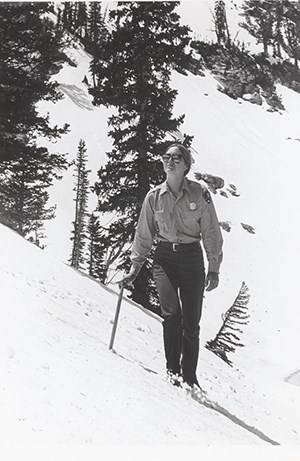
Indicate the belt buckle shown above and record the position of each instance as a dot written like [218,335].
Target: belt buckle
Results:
[174,247]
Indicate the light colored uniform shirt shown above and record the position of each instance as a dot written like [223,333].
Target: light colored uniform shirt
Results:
[188,218]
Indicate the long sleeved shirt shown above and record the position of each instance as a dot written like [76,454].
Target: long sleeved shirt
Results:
[188,218]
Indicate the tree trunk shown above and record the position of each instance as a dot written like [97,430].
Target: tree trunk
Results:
[20,206]
[143,178]
[228,35]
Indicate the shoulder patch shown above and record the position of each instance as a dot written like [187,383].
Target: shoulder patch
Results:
[205,192]
[206,195]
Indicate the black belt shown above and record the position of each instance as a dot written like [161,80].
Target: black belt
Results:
[180,247]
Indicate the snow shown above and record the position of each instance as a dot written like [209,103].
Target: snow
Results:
[62,386]
[62,389]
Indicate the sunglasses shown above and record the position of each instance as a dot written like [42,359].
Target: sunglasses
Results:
[175,158]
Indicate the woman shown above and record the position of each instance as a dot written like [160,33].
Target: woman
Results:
[179,214]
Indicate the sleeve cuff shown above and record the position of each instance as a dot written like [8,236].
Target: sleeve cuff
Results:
[136,267]
[213,266]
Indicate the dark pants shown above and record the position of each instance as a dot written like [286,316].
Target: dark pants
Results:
[180,281]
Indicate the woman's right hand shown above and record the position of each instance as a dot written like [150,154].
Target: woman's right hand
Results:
[127,280]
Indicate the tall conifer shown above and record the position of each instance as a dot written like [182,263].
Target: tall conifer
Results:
[98,265]
[133,74]
[96,35]
[260,17]
[81,20]
[23,192]
[30,50]
[221,24]
[69,15]
[79,238]
[291,27]
[95,22]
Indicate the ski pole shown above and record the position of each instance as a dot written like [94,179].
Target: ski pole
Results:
[114,328]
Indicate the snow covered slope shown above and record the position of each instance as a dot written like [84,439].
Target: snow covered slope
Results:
[61,384]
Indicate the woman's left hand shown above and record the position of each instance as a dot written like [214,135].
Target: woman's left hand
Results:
[212,281]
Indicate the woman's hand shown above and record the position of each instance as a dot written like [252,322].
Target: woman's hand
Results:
[128,279]
[212,281]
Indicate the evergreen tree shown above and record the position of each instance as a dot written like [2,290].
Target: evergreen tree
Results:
[227,338]
[291,26]
[221,24]
[133,74]
[30,49]
[81,204]
[96,36]
[100,258]
[68,16]
[95,266]
[73,17]
[278,29]
[275,23]
[259,21]
[95,23]
[81,19]
[23,192]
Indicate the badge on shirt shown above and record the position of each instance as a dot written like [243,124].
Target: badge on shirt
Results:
[193,206]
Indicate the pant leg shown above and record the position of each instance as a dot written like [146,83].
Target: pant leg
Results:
[191,288]
[166,278]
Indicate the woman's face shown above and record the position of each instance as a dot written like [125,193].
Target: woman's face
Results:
[174,162]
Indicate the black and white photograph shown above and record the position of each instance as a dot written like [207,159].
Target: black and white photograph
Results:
[149,230]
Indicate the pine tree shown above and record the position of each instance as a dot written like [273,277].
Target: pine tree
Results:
[81,19]
[227,338]
[95,266]
[100,258]
[81,208]
[260,17]
[133,74]
[68,16]
[275,23]
[95,22]
[23,192]
[221,24]
[97,34]
[278,29]
[291,27]
[30,50]
[73,17]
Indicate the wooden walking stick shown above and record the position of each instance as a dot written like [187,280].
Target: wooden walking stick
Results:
[113,332]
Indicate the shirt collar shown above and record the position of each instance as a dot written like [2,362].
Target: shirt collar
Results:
[165,188]
[185,184]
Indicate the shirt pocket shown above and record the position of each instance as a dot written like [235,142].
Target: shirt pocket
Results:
[191,222]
